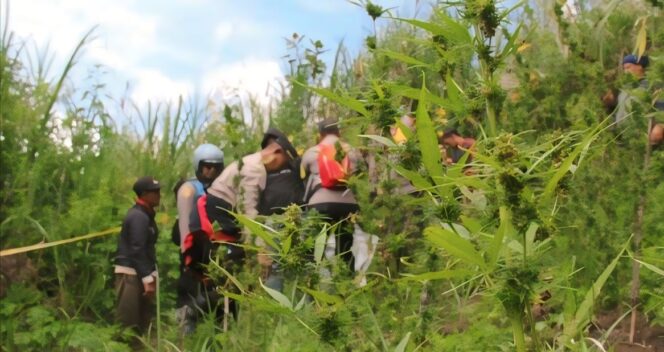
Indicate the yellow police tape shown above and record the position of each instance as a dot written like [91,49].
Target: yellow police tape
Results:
[43,245]
[164,219]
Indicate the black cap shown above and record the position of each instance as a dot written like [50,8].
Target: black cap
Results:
[633,59]
[329,126]
[145,184]
[282,140]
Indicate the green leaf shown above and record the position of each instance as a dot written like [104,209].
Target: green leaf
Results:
[650,267]
[473,225]
[446,27]
[438,275]
[497,241]
[300,304]
[380,139]
[510,47]
[286,244]
[323,297]
[426,135]
[401,347]
[233,279]
[378,89]
[319,245]
[582,315]
[641,37]
[402,57]
[277,296]
[348,102]
[215,226]
[258,229]
[455,245]
[416,179]
[414,93]
[566,165]
[454,92]
[530,238]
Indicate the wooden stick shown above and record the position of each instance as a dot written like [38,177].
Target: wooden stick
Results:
[638,236]
[226,312]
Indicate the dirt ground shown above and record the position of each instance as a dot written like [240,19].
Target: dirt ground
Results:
[647,338]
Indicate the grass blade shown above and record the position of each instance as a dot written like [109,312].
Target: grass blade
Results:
[455,245]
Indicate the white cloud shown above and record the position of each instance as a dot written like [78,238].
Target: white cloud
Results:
[223,31]
[123,39]
[253,76]
[63,23]
[154,85]
[240,30]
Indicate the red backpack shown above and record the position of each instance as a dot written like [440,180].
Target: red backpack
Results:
[332,173]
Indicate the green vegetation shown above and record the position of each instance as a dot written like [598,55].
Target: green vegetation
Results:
[530,251]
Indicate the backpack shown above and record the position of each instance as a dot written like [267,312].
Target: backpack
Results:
[282,188]
[333,173]
[199,242]
[200,191]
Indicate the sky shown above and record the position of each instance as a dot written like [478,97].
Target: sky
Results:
[161,49]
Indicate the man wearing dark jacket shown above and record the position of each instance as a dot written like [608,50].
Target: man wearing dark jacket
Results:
[136,260]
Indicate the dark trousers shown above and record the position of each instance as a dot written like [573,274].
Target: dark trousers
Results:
[334,213]
[133,309]
[191,289]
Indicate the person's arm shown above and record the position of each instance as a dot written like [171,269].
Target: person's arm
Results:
[138,229]
[355,158]
[308,159]
[252,182]
[185,204]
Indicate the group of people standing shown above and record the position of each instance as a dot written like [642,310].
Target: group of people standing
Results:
[261,183]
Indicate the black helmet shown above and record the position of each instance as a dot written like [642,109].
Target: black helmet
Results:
[282,140]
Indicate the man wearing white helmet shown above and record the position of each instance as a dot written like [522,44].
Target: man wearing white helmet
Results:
[208,162]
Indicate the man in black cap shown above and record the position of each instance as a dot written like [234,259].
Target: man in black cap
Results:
[136,260]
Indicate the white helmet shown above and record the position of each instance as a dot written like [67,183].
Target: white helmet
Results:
[207,153]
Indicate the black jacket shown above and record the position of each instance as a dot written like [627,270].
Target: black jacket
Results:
[136,244]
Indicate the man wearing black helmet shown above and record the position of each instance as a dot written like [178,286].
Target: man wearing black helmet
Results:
[136,260]
[208,162]
[239,189]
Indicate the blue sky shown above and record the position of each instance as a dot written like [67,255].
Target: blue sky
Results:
[171,47]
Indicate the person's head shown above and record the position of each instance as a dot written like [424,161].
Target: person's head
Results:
[635,65]
[148,190]
[451,138]
[208,162]
[277,152]
[327,127]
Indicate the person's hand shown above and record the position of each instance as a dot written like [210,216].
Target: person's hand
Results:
[264,259]
[609,99]
[150,288]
